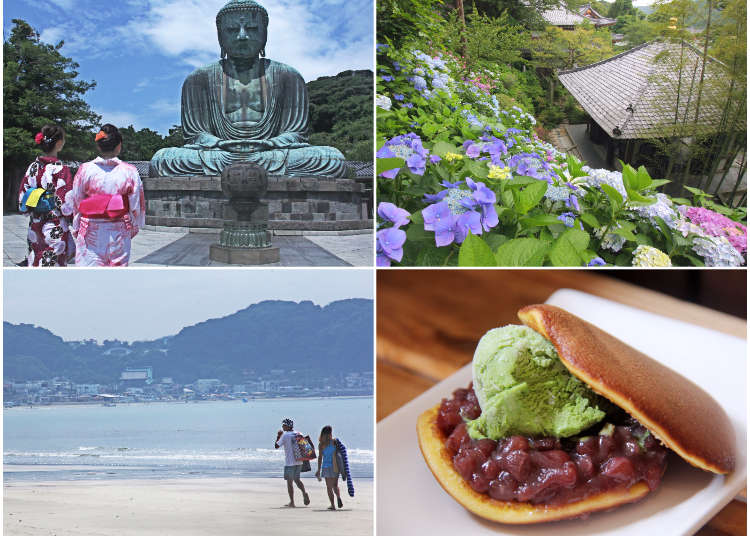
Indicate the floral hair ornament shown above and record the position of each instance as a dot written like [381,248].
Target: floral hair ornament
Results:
[101,135]
[38,138]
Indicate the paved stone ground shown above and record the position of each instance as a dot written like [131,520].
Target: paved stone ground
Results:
[176,247]
[594,155]
[573,139]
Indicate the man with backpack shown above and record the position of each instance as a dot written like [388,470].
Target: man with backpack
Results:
[292,466]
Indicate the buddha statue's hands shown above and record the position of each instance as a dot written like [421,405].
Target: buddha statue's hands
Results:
[243,146]
[204,140]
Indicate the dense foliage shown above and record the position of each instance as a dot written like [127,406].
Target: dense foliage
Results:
[341,113]
[465,180]
[40,86]
[268,335]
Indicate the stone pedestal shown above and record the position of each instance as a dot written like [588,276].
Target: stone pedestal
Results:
[245,238]
[296,204]
[227,255]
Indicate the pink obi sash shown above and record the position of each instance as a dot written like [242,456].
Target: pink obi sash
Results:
[111,207]
[104,206]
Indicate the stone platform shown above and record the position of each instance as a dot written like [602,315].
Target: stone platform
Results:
[294,203]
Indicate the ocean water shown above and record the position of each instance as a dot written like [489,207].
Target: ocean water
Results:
[169,440]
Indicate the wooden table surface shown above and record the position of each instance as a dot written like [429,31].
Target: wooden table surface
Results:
[429,321]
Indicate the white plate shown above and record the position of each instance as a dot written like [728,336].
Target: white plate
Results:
[410,501]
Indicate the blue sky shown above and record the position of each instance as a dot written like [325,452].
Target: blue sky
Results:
[140,51]
[144,304]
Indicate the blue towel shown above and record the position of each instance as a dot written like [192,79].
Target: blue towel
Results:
[349,484]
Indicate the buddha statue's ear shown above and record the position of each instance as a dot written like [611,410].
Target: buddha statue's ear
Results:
[223,53]
[263,52]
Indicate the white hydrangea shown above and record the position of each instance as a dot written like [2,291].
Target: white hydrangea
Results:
[597,177]
[717,251]
[383,102]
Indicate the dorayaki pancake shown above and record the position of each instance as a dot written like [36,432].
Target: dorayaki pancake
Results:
[675,410]
[440,462]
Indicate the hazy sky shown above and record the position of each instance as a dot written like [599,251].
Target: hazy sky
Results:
[140,51]
[144,304]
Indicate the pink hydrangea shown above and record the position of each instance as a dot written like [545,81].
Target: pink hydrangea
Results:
[715,224]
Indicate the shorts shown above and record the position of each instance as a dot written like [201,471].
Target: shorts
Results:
[328,472]
[292,472]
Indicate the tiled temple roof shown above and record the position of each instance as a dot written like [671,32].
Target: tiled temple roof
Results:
[634,95]
[561,16]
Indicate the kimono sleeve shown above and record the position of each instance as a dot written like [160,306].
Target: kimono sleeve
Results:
[29,181]
[137,202]
[74,197]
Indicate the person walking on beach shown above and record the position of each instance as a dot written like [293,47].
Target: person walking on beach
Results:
[330,463]
[109,204]
[292,466]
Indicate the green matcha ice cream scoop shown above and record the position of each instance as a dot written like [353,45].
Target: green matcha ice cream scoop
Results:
[524,389]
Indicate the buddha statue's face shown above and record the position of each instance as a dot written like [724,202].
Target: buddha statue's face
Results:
[242,34]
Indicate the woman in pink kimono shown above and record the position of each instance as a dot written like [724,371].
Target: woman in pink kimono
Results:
[45,196]
[109,205]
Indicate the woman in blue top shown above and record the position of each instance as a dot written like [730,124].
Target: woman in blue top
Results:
[327,461]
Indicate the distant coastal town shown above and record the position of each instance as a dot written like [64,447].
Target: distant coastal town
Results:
[139,385]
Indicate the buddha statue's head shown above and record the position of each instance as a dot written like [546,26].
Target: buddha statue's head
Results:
[243,29]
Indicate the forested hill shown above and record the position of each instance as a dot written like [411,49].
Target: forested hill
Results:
[264,336]
[341,110]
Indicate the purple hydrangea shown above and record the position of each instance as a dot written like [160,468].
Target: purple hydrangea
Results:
[390,243]
[390,212]
[455,212]
[398,97]
[387,78]
[406,146]
[597,261]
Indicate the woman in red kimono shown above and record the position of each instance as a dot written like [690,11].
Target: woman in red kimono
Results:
[45,196]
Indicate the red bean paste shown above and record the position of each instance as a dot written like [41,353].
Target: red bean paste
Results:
[548,470]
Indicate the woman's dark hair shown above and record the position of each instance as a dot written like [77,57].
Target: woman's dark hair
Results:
[51,134]
[327,432]
[113,138]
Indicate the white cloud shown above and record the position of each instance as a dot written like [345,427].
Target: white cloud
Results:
[122,119]
[319,38]
[53,34]
[64,4]
[167,107]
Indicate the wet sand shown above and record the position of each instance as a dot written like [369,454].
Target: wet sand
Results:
[185,507]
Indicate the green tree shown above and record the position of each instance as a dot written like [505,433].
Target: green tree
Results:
[41,86]
[141,144]
[488,40]
[558,49]
[621,7]
[638,30]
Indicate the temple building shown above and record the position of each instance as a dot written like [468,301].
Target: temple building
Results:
[566,19]
[654,92]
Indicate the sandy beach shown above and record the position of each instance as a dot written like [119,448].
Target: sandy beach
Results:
[185,507]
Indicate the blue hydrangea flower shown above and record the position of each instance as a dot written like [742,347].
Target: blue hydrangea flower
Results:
[557,193]
[420,84]
[387,78]
[380,47]
[597,261]
[398,97]
[568,218]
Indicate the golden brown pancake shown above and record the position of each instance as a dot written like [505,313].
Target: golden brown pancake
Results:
[440,462]
[675,410]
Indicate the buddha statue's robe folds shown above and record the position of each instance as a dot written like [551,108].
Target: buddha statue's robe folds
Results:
[264,121]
